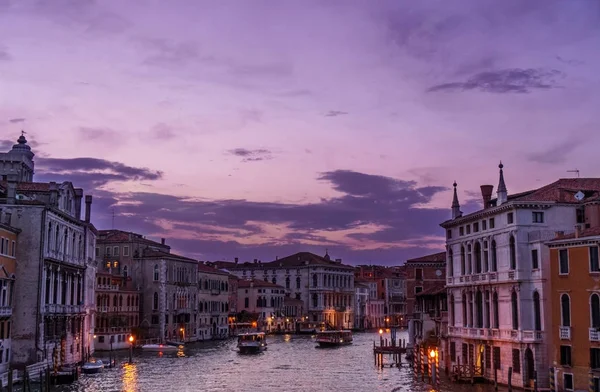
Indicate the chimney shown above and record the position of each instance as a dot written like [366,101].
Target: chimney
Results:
[486,194]
[577,231]
[236,260]
[162,241]
[11,189]
[88,208]
[78,197]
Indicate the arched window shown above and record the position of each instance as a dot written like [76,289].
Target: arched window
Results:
[496,310]
[155,302]
[515,310]
[450,263]
[155,272]
[314,280]
[464,310]
[494,257]
[258,302]
[315,299]
[272,302]
[274,280]
[125,270]
[565,310]
[462,260]
[478,267]
[513,253]
[287,282]
[115,301]
[479,308]
[537,315]
[65,242]
[98,301]
[49,235]
[595,310]
[486,302]
[298,282]
[56,242]
[452,310]
[469,259]
[128,300]
[120,300]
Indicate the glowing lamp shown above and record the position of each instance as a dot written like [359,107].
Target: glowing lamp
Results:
[432,353]
[381,331]
[131,339]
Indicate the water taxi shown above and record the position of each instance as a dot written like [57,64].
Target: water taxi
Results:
[252,342]
[93,366]
[334,338]
[163,348]
[308,328]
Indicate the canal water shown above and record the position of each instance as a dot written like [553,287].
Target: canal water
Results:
[291,363]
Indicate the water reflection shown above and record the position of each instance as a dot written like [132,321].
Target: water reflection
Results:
[291,364]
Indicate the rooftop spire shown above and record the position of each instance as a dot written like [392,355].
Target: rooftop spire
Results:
[327,257]
[456,213]
[502,193]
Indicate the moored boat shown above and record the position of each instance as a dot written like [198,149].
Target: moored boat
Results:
[93,366]
[334,338]
[160,348]
[252,342]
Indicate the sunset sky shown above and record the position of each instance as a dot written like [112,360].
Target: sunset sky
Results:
[261,128]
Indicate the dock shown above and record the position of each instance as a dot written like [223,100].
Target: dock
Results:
[392,348]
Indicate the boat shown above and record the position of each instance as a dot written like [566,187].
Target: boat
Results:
[163,348]
[175,344]
[334,338]
[93,366]
[308,328]
[252,342]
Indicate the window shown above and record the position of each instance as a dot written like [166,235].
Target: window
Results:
[537,217]
[515,310]
[483,225]
[580,215]
[97,252]
[595,311]
[464,310]
[418,289]
[478,266]
[534,259]
[155,272]
[452,311]
[154,302]
[475,227]
[563,259]
[448,233]
[13,251]
[492,223]
[461,230]
[298,282]
[314,280]
[287,282]
[450,262]
[115,251]
[513,253]
[488,357]
[462,260]
[468,229]
[510,218]
[419,273]
[496,357]
[453,351]
[126,251]
[594,266]
[565,310]
[125,271]
[107,250]
[595,358]
[565,355]
[315,300]
[494,257]
[516,360]
[537,315]
[568,381]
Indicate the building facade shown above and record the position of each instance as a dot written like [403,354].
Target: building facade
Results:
[55,290]
[213,303]
[431,324]
[325,286]
[498,278]
[263,298]
[8,270]
[361,304]
[422,274]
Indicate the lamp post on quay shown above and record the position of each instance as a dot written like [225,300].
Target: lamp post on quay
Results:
[131,348]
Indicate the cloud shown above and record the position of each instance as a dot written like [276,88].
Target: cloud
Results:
[162,131]
[16,120]
[103,134]
[6,145]
[4,55]
[514,80]
[260,154]
[558,153]
[335,113]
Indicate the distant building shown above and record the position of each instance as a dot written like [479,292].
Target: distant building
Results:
[361,304]
[263,298]
[430,320]
[499,277]
[8,263]
[423,273]
[325,286]
[214,303]
[390,286]
[56,270]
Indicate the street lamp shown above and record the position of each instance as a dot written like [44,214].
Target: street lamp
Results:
[182,334]
[131,349]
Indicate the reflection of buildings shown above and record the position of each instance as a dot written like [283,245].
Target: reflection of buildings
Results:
[56,269]
[575,303]
[8,253]
[325,286]
[262,298]
[498,277]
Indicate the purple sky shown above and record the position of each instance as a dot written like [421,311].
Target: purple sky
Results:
[260,128]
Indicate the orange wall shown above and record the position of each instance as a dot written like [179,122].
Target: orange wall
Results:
[578,284]
[8,262]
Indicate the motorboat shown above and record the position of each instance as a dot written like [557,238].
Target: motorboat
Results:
[334,338]
[163,348]
[175,343]
[93,366]
[252,342]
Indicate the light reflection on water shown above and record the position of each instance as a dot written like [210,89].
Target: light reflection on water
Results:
[291,363]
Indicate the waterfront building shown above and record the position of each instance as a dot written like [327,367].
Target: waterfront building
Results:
[423,274]
[8,263]
[375,306]
[390,285]
[264,299]
[325,286]
[56,270]
[575,303]
[498,277]
[117,293]
[213,303]
[361,303]
[431,323]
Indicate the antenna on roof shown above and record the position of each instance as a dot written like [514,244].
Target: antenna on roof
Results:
[574,171]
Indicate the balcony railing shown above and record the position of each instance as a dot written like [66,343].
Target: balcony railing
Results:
[490,277]
[594,335]
[109,287]
[5,311]
[564,333]
[523,336]
[56,308]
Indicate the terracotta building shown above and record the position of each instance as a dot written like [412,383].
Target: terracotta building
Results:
[423,273]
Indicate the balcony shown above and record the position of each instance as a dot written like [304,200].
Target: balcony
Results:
[5,311]
[108,287]
[215,292]
[64,309]
[485,277]
[564,333]
[510,335]
[594,335]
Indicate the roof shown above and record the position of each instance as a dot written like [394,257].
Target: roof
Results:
[152,253]
[591,232]
[115,236]
[211,270]
[30,186]
[304,258]
[243,283]
[433,290]
[432,258]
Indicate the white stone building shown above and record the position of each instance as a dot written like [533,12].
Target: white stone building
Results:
[54,295]
[497,278]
